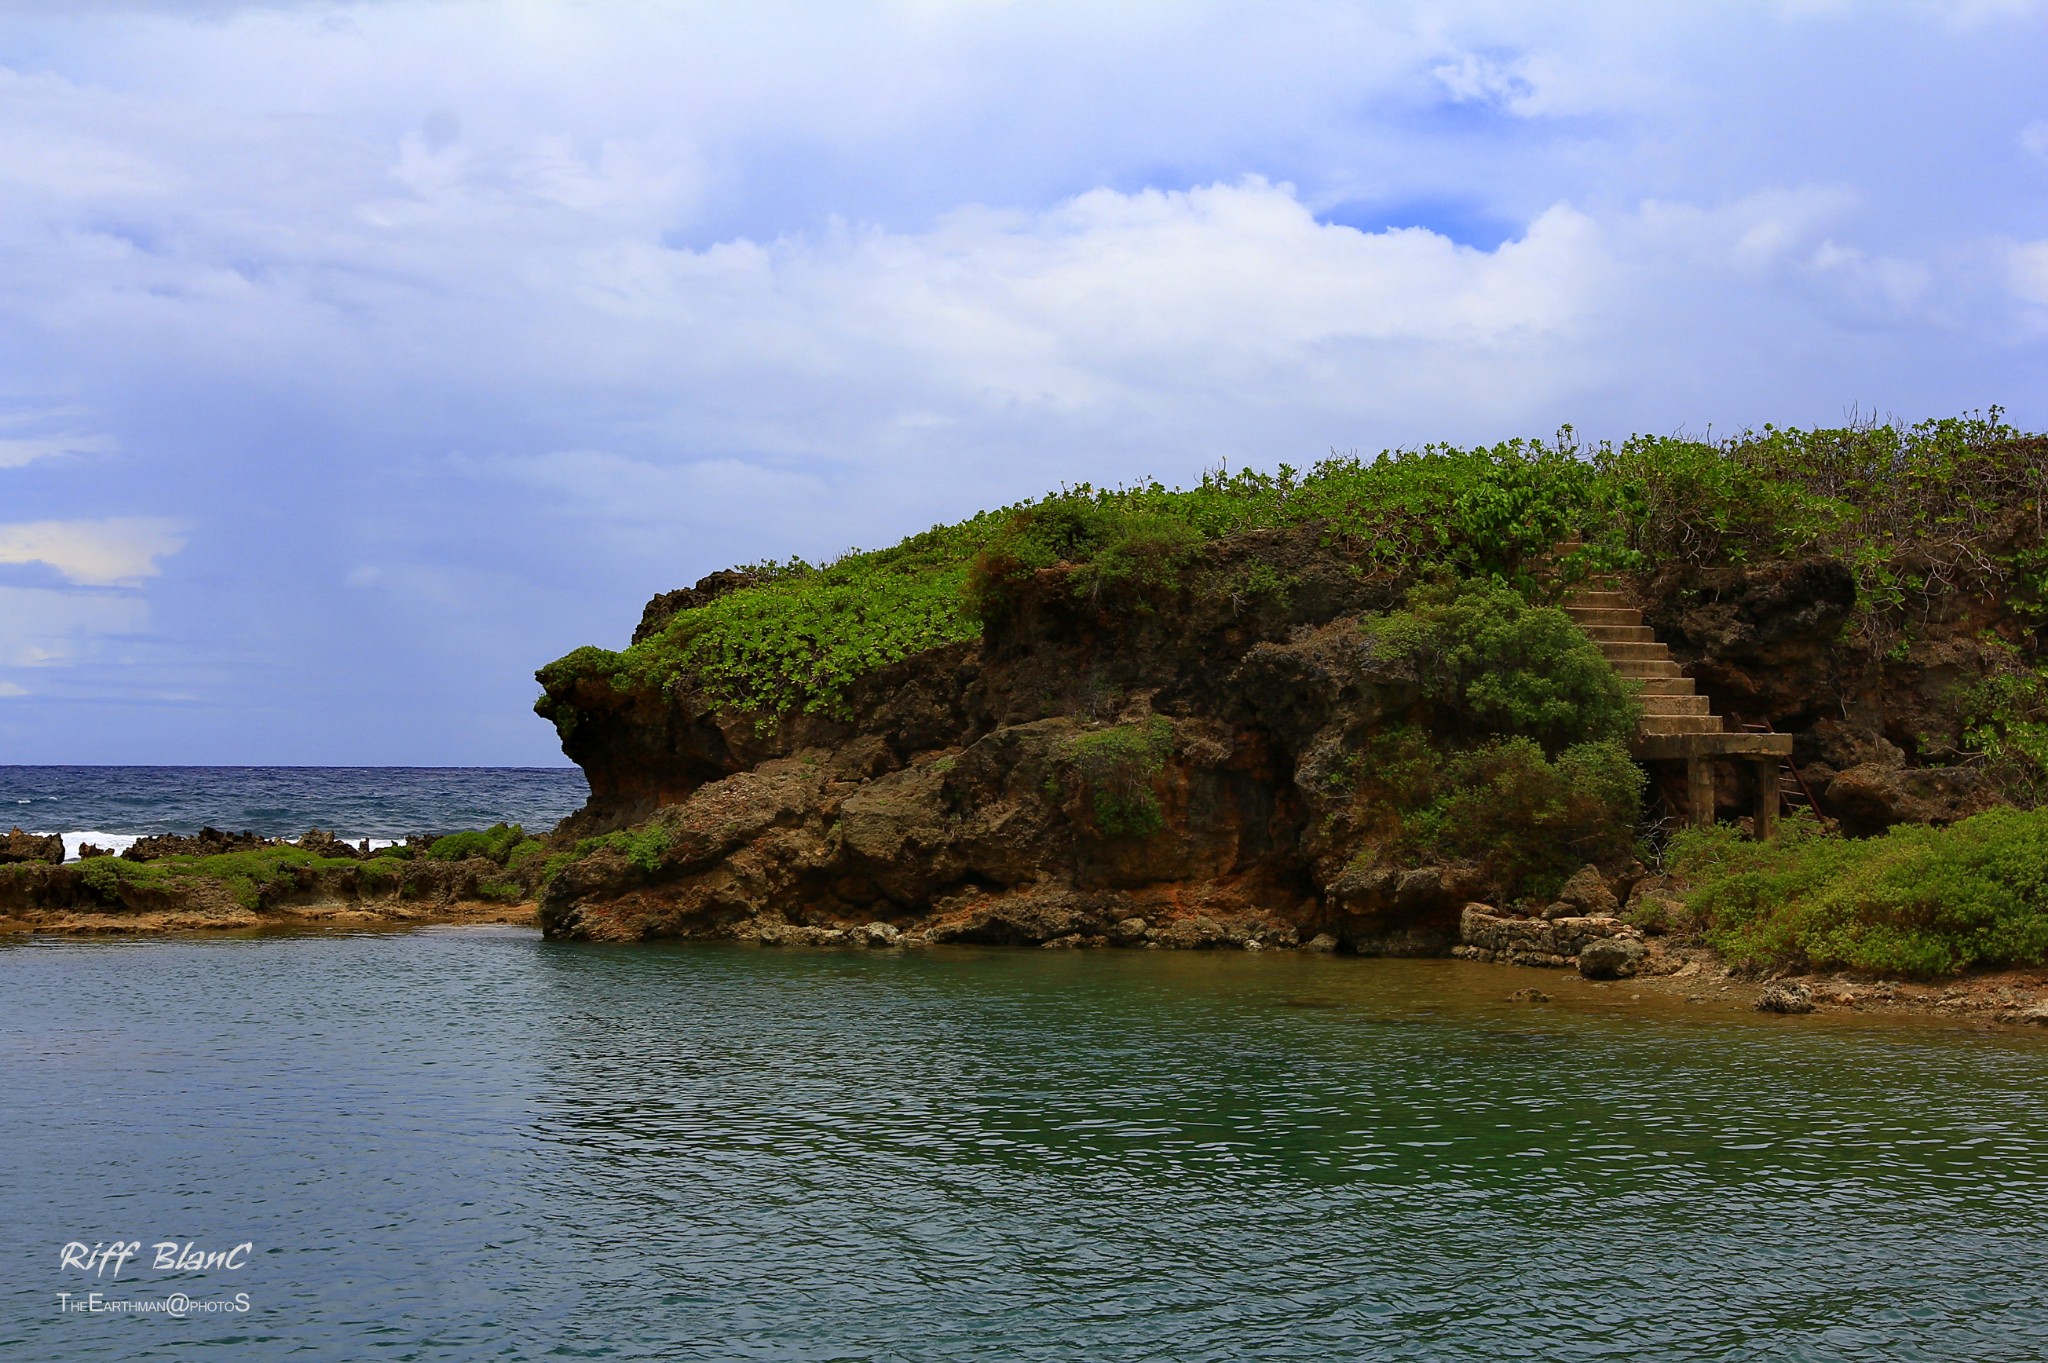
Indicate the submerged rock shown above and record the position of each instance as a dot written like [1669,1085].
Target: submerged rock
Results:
[1785,996]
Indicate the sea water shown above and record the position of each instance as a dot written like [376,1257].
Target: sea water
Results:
[112,806]
[473,1144]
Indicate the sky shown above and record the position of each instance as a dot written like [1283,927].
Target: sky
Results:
[357,359]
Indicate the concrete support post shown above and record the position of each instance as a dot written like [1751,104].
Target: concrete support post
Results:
[1699,789]
[1766,822]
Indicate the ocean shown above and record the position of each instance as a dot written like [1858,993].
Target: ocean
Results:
[112,806]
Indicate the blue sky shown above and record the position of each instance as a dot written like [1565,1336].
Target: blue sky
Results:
[357,359]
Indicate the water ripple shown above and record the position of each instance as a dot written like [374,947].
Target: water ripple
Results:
[470,1144]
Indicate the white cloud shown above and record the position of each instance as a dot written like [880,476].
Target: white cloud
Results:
[2034,140]
[49,627]
[10,689]
[16,451]
[117,552]
[2027,268]
[502,313]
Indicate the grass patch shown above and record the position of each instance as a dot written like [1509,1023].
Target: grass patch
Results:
[1918,900]
[506,844]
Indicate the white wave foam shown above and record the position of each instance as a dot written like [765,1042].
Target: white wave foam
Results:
[121,842]
[113,842]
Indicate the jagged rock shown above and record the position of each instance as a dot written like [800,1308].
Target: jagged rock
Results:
[942,794]
[18,846]
[1587,892]
[1785,996]
[207,842]
[88,850]
[323,844]
[668,605]
[1529,995]
[1872,797]
[879,935]
[1190,934]
[1322,943]
[1611,958]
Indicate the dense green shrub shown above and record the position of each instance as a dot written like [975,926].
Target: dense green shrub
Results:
[1118,766]
[1492,664]
[499,843]
[2005,719]
[1918,900]
[1913,511]
[1526,820]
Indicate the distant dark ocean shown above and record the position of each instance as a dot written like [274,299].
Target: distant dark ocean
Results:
[112,806]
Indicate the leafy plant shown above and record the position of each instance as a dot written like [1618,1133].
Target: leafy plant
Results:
[1493,664]
[1119,766]
[1526,820]
[2006,726]
[496,843]
[1914,512]
[1918,900]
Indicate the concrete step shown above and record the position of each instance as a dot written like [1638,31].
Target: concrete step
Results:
[1587,616]
[1663,726]
[1597,600]
[1618,650]
[1665,686]
[1647,668]
[1676,705]
[1620,634]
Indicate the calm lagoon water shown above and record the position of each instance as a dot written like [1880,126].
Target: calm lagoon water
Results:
[470,1144]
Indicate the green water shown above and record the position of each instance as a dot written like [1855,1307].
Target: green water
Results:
[472,1144]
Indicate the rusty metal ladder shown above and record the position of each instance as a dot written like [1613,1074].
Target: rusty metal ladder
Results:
[1792,788]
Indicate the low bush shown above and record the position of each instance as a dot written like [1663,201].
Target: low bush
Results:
[1493,665]
[1526,820]
[1918,900]
[500,843]
[1118,767]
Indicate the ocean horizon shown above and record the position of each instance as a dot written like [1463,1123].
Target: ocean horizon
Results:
[112,805]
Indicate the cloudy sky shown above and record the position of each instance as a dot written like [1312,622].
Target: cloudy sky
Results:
[357,358]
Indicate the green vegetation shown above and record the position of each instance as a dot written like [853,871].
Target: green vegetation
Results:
[1492,665]
[1912,511]
[644,846]
[1525,819]
[252,877]
[1522,769]
[1119,766]
[2006,727]
[506,844]
[1918,900]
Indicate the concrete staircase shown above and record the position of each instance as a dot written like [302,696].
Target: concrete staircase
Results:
[1672,704]
[1679,724]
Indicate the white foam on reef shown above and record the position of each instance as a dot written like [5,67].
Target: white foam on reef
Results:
[113,842]
[121,842]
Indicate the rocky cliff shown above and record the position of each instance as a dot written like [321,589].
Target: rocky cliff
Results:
[1182,758]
